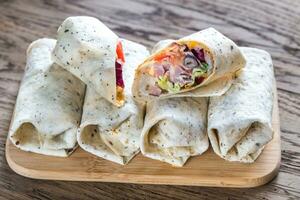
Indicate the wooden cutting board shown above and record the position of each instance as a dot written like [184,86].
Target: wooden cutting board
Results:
[205,170]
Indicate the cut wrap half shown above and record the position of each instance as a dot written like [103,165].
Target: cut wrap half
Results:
[198,65]
[92,52]
[48,107]
[239,122]
[112,132]
[175,129]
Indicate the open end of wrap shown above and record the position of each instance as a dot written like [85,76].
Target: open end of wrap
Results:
[29,139]
[91,140]
[160,147]
[248,147]
[179,67]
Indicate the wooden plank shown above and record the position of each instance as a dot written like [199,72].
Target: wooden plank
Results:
[205,170]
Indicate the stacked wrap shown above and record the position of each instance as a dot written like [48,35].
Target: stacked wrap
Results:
[239,122]
[113,132]
[87,48]
[175,129]
[48,108]
[224,59]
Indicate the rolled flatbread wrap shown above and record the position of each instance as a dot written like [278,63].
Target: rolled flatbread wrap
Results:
[175,129]
[239,122]
[112,132]
[48,107]
[198,65]
[93,53]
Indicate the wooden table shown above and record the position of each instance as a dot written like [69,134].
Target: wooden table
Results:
[270,25]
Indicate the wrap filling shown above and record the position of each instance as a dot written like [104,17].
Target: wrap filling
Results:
[119,75]
[178,67]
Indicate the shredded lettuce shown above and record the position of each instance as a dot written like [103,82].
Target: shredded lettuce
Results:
[173,87]
[204,66]
[165,84]
[198,72]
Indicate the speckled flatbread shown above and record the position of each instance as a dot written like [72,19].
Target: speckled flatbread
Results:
[48,107]
[239,122]
[112,132]
[225,59]
[175,129]
[87,48]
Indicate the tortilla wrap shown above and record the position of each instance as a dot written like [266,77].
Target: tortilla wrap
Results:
[87,48]
[239,122]
[112,132]
[175,129]
[48,107]
[222,58]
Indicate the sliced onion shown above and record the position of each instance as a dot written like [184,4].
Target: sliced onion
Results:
[190,61]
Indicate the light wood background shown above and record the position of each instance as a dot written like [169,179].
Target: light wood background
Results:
[271,25]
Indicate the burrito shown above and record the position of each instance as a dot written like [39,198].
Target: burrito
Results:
[175,129]
[239,122]
[198,65]
[48,107]
[93,53]
[112,132]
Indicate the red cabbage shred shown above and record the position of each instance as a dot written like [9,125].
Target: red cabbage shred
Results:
[119,78]
[199,54]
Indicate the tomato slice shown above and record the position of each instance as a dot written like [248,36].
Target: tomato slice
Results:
[120,53]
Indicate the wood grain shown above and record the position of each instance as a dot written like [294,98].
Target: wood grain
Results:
[205,170]
[271,25]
